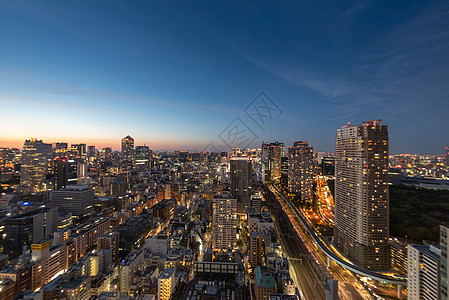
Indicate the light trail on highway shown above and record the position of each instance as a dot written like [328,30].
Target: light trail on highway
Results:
[393,279]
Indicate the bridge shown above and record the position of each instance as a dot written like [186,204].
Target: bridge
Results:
[392,279]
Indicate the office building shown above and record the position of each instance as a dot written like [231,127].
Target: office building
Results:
[34,165]
[143,153]
[444,245]
[25,229]
[143,157]
[48,261]
[75,199]
[224,221]
[166,283]
[79,150]
[300,170]
[264,284]
[91,152]
[328,166]
[127,148]
[158,244]
[61,149]
[399,256]
[240,174]
[256,202]
[283,180]
[361,228]
[61,173]
[423,272]
[20,273]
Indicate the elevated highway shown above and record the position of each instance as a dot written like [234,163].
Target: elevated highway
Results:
[392,279]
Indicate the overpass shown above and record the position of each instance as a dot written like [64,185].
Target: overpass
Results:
[392,279]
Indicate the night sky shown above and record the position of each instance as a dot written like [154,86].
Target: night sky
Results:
[178,74]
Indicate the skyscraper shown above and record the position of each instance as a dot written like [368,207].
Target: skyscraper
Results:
[300,170]
[91,152]
[127,148]
[361,228]
[61,149]
[143,156]
[34,164]
[61,173]
[66,172]
[271,156]
[224,221]
[79,150]
[240,174]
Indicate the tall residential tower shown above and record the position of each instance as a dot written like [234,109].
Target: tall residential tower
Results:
[300,170]
[224,221]
[240,174]
[361,228]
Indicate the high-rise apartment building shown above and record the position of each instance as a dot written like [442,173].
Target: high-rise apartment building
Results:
[128,148]
[276,152]
[255,248]
[110,241]
[300,170]
[224,221]
[240,174]
[444,245]
[271,156]
[166,283]
[132,264]
[361,228]
[423,272]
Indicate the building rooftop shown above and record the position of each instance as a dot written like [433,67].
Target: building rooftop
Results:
[264,280]
[75,188]
[167,273]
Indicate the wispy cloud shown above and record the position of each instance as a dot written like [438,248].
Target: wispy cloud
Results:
[356,8]
[394,74]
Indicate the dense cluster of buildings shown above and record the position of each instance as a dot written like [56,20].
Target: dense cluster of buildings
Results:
[84,223]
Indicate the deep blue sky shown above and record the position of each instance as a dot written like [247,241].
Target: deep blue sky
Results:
[174,74]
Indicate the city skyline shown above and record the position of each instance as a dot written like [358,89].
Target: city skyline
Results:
[175,76]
